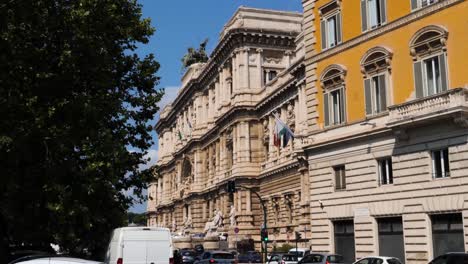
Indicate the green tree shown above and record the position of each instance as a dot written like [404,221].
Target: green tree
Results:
[74,98]
[195,55]
[136,218]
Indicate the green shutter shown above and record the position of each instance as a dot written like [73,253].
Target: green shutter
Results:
[326,109]
[443,72]
[383,11]
[338,28]
[363,15]
[368,96]
[383,93]
[418,79]
[324,34]
[342,106]
[414,4]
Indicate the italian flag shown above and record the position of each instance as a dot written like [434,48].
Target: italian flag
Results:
[281,131]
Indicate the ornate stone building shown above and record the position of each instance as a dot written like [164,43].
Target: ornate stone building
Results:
[379,108]
[220,128]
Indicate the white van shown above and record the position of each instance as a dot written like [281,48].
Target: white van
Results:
[140,245]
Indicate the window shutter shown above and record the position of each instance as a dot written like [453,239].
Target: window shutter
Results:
[418,78]
[326,109]
[324,34]
[367,93]
[338,28]
[363,15]
[414,4]
[337,180]
[383,11]
[443,72]
[383,92]
[342,106]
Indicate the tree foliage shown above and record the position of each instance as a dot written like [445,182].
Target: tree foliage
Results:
[74,98]
[195,55]
[137,218]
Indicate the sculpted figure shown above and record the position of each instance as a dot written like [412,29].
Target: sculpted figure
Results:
[291,117]
[174,225]
[232,216]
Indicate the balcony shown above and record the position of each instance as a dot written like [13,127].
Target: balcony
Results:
[451,104]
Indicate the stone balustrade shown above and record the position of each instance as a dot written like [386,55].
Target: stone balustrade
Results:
[434,106]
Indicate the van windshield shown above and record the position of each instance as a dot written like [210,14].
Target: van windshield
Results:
[223,256]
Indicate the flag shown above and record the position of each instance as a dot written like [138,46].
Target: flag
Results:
[180,135]
[281,130]
[189,125]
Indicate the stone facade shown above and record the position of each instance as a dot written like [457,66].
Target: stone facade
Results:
[220,128]
[355,180]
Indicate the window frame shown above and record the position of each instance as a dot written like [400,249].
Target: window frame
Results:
[327,11]
[341,106]
[373,94]
[389,169]
[342,170]
[425,79]
[443,174]
[418,4]
[365,25]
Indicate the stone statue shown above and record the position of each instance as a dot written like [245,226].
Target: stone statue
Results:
[215,222]
[232,216]
[291,116]
[174,225]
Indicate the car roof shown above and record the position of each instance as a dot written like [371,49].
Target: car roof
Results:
[52,260]
[382,257]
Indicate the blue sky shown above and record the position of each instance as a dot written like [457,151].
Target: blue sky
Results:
[183,23]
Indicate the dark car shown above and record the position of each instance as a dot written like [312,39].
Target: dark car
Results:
[188,256]
[250,257]
[321,258]
[199,249]
[219,257]
[451,258]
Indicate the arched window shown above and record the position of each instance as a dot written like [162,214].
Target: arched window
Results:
[375,67]
[428,48]
[334,100]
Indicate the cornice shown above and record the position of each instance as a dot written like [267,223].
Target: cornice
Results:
[234,38]
[413,16]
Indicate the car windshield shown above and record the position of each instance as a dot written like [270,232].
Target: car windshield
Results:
[299,254]
[313,258]
[289,258]
[223,256]
[393,261]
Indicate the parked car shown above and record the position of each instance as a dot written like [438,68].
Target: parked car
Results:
[219,257]
[188,256]
[289,259]
[321,258]
[199,249]
[140,245]
[275,258]
[378,260]
[301,252]
[37,259]
[451,258]
[250,257]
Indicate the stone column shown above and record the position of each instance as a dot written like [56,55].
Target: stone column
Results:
[210,105]
[246,69]
[247,141]
[248,202]
[259,67]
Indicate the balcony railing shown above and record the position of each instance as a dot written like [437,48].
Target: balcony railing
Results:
[439,105]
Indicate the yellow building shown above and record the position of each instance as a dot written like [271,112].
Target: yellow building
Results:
[388,147]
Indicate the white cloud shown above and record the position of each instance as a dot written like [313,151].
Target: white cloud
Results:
[170,93]
[153,156]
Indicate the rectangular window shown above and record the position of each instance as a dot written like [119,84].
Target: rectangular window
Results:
[376,94]
[344,240]
[340,177]
[334,107]
[447,233]
[440,163]
[373,13]
[385,171]
[416,4]
[391,241]
[430,76]
[331,30]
